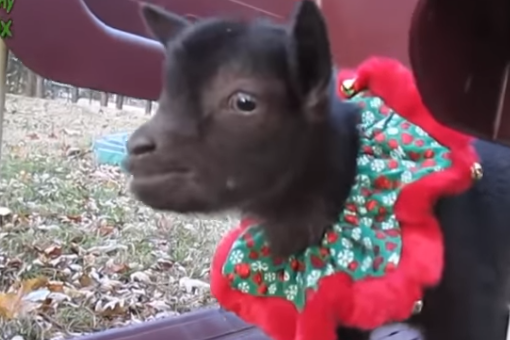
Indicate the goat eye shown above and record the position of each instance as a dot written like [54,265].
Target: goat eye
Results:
[243,103]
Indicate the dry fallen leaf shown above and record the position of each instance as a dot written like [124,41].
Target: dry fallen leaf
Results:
[4,211]
[74,218]
[116,268]
[71,132]
[165,264]
[85,280]
[89,233]
[48,227]
[30,285]
[140,277]
[159,305]
[55,286]
[26,298]
[106,230]
[10,305]
[5,215]
[76,248]
[14,263]
[109,285]
[57,297]
[39,295]
[53,251]
[73,152]
[191,285]
[89,260]
[112,308]
[107,249]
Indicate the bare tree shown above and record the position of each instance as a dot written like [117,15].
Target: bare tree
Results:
[15,74]
[22,80]
[148,107]
[30,83]
[119,101]
[39,86]
[103,101]
[75,94]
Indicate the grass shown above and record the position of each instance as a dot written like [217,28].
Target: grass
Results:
[77,253]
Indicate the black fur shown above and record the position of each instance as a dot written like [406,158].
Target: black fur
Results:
[248,118]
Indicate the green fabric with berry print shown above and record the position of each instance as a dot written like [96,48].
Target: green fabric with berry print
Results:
[366,240]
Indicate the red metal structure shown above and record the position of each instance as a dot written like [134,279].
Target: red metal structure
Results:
[461,64]
[103,45]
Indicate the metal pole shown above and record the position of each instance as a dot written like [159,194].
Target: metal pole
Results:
[3,88]
[508,327]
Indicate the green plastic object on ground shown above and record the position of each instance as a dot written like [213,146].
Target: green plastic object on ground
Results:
[111,149]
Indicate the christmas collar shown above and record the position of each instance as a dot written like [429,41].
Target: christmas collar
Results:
[385,248]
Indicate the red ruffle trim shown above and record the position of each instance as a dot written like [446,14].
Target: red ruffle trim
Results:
[371,302]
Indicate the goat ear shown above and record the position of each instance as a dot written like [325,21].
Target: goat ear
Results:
[163,25]
[312,52]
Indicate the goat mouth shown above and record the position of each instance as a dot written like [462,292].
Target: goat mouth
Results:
[160,178]
[162,191]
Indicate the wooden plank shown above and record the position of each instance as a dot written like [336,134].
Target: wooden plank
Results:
[396,332]
[217,324]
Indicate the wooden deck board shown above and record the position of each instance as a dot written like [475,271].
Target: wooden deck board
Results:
[216,324]
[396,332]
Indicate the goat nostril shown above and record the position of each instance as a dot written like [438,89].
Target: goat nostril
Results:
[138,145]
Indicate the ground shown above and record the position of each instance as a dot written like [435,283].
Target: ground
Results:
[77,253]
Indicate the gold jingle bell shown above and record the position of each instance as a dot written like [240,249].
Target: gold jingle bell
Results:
[476,171]
[418,306]
[348,87]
